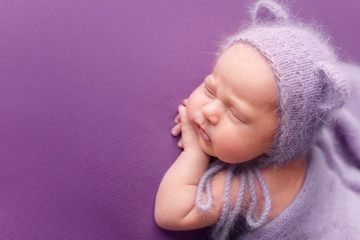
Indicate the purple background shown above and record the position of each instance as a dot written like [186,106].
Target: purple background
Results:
[88,93]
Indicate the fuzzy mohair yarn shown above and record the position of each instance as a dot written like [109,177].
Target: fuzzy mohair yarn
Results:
[309,88]
[310,85]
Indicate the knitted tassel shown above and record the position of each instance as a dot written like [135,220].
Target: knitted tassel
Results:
[205,187]
[226,207]
[229,213]
[250,218]
[223,229]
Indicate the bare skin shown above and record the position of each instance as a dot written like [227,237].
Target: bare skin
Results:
[232,116]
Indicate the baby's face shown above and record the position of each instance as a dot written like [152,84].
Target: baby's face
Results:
[234,110]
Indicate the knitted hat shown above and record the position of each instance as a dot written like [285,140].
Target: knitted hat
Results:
[309,88]
[309,84]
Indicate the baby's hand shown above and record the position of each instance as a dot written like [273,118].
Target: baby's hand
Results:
[176,130]
[189,139]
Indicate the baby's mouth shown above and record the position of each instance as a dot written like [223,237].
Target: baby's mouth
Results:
[202,133]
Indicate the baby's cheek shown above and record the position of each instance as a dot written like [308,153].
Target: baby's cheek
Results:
[225,151]
[194,105]
[190,111]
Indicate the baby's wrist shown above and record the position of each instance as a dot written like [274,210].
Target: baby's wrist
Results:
[198,155]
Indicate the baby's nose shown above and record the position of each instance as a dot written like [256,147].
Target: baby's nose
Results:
[212,112]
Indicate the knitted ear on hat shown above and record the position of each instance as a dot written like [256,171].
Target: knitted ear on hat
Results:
[267,11]
[335,89]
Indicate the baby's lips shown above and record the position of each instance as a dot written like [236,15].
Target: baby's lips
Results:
[203,134]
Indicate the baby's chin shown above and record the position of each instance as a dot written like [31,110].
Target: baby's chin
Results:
[226,158]
[206,148]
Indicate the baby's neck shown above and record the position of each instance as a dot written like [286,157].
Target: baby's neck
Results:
[284,182]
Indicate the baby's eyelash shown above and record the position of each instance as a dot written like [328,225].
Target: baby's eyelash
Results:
[236,116]
[209,91]
[233,114]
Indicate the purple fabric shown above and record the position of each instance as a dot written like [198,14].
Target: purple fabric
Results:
[88,93]
[327,205]
[323,209]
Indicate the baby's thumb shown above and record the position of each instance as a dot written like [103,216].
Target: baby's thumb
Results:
[183,116]
[186,128]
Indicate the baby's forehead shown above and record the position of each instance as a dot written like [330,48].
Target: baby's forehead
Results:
[247,74]
[242,54]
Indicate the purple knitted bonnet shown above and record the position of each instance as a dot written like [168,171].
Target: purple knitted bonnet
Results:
[309,84]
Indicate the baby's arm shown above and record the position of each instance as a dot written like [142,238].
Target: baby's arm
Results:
[175,207]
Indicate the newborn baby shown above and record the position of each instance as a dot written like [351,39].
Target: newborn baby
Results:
[261,114]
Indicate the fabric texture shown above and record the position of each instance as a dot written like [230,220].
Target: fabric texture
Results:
[88,93]
[324,208]
[327,205]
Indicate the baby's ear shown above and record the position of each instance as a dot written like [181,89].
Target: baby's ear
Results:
[335,87]
[266,11]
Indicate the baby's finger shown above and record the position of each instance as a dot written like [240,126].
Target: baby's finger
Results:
[186,128]
[176,130]
[180,143]
[177,118]
[183,115]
